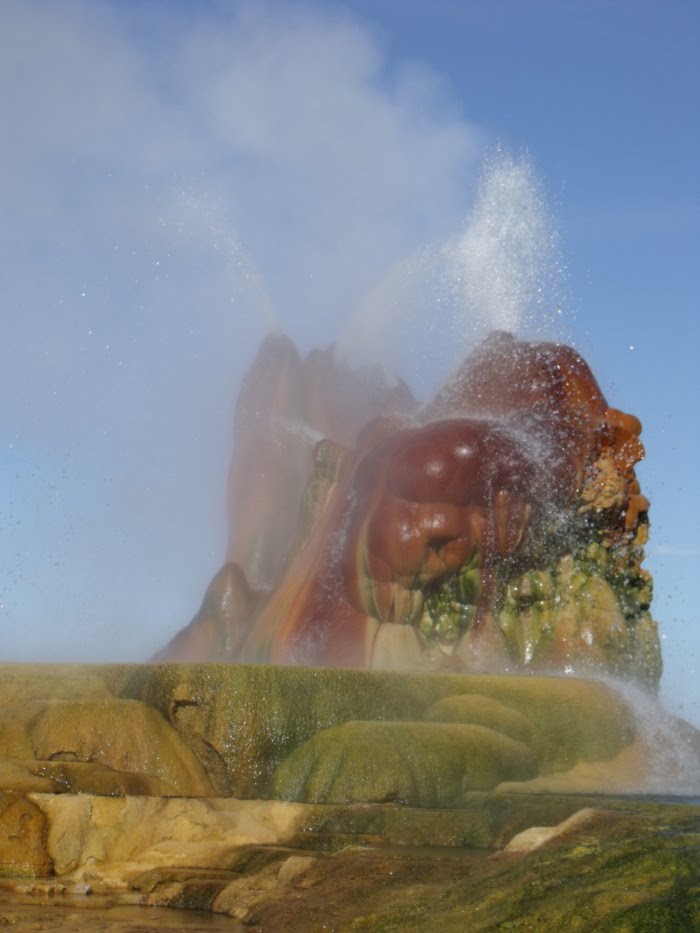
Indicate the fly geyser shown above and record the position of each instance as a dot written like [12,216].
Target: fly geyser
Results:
[498,528]
[429,633]
[495,532]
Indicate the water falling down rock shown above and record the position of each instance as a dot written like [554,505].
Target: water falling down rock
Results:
[498,528]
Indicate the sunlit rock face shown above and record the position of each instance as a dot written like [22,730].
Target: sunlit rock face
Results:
[500,527]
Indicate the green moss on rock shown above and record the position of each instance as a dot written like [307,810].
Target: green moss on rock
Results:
[482,711]
[243,721]
[239,723]
[419,764]
[583,616]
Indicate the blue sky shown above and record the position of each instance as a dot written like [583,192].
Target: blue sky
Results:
[180,177]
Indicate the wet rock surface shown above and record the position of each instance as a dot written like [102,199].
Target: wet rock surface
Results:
[596,864]
[418,764]
[316,799]
[257,732]
[245,721]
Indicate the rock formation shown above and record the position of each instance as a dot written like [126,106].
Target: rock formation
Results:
[221,730]
[266,794]
[501,527]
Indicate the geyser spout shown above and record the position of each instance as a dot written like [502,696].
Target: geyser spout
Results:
[501,527]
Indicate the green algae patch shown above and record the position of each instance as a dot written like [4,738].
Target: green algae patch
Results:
[240,722]
[637,865]
[418,764]
[591,609]
[573,719]
[637,870]
[243,721]
[482,711]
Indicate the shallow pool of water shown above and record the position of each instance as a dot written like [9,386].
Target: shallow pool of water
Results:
[98,915]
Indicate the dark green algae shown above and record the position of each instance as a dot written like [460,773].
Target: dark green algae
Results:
[244,721]
[636,869]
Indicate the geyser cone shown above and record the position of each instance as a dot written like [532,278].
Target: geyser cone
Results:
[500,527]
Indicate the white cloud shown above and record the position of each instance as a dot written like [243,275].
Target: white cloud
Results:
[347,166]
[169,173]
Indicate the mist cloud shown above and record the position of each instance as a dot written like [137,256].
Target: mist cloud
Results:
[177,179]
